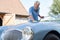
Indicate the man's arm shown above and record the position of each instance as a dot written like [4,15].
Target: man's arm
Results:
[30,16]
[41,16]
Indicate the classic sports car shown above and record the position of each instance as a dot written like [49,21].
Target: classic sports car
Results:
[31,31]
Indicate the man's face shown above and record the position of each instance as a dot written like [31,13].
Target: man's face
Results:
[36,5]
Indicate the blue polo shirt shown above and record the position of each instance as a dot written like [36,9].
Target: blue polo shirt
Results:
[34,13]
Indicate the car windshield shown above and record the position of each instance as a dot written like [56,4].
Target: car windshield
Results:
[50,19]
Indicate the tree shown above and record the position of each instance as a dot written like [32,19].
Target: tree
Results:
[55,8]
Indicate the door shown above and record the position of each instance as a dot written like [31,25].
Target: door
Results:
[0,22]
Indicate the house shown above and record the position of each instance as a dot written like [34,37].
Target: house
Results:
[12,12]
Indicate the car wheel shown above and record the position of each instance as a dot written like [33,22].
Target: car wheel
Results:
[51,37]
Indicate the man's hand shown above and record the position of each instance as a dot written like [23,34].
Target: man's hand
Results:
[30,16]
[41,16]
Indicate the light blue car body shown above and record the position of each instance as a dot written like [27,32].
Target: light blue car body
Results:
[40,29]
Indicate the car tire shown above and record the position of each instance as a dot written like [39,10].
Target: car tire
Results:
[51,37]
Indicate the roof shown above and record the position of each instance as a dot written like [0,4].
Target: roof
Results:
[12,6]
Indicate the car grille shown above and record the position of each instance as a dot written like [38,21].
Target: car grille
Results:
[12,35]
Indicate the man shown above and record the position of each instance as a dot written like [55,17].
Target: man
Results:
[34,12]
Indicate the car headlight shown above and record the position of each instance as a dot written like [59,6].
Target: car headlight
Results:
[27,33]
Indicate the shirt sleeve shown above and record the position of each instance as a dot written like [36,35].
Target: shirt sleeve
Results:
[30,11]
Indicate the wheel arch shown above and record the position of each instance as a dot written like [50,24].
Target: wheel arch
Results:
[53,32]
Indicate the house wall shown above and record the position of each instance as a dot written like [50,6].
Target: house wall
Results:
[9,19]
[20,19]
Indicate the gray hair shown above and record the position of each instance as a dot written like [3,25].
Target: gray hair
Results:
[37,2]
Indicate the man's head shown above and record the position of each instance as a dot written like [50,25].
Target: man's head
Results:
[36,4]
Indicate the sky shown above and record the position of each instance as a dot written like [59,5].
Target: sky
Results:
[44,5]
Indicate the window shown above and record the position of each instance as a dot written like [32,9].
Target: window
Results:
[21,17]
